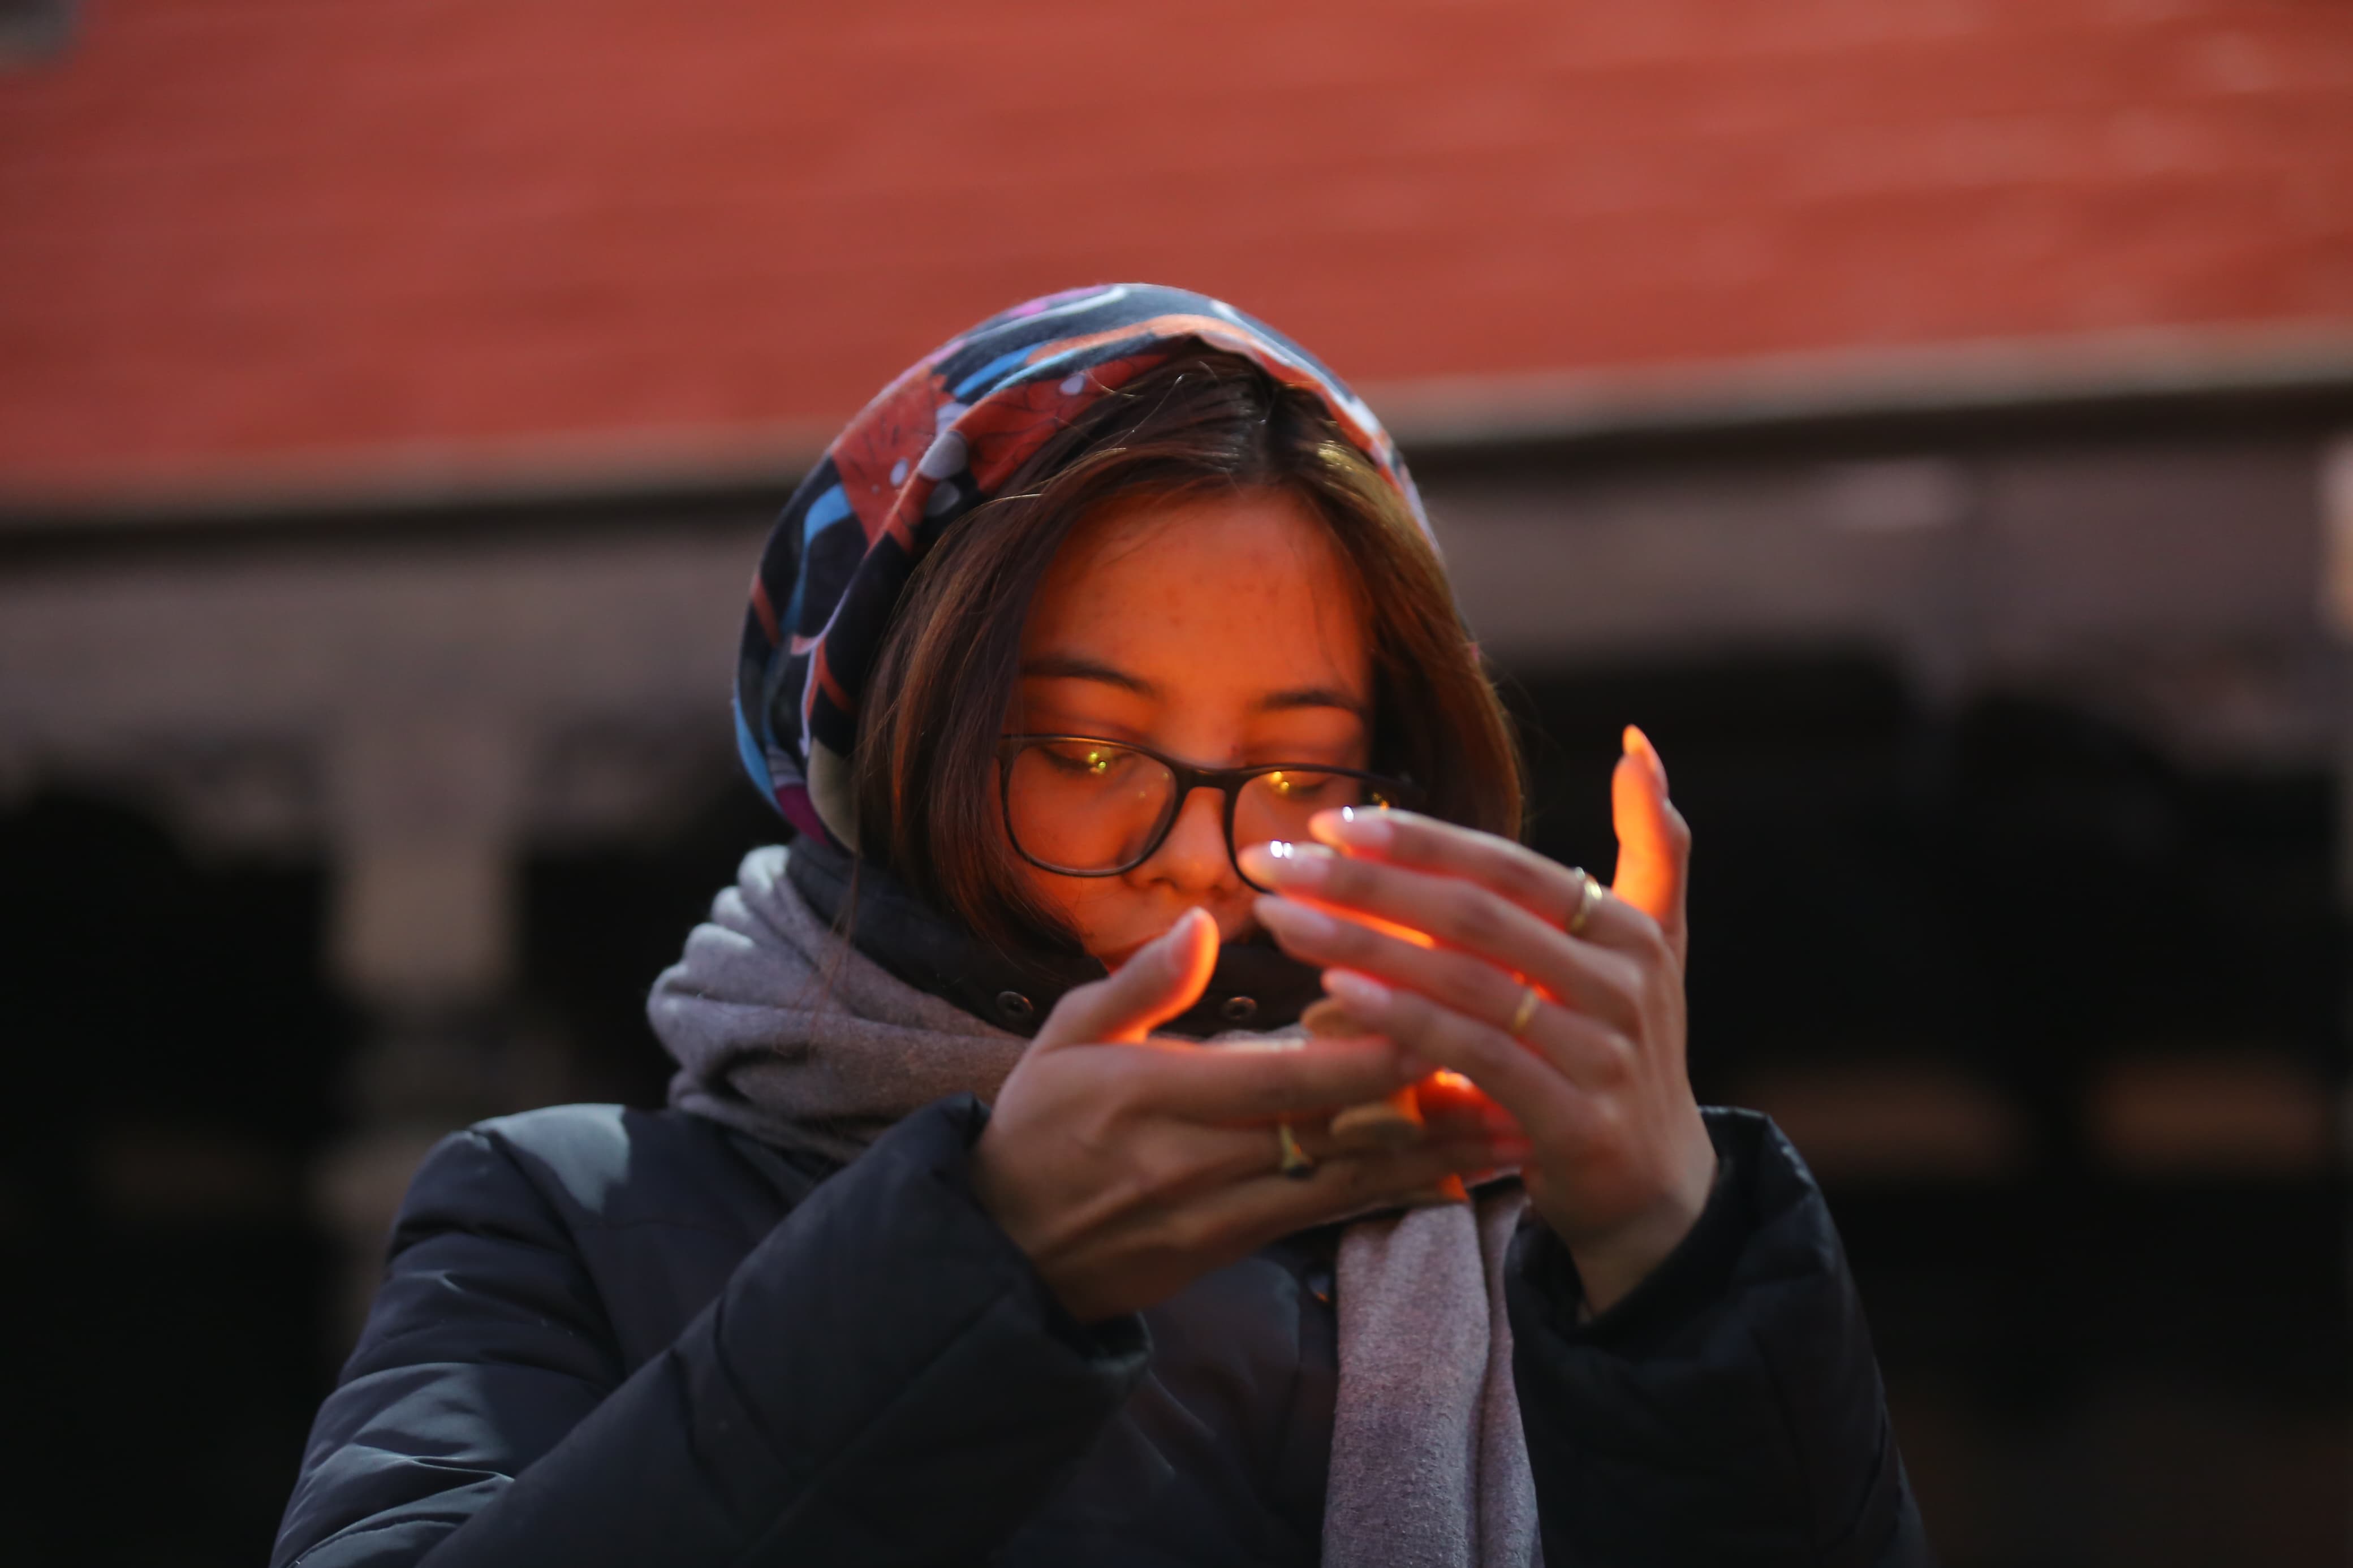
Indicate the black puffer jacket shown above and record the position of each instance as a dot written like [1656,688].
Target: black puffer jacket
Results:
[618,1337]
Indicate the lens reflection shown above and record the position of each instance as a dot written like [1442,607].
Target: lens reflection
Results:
[1093,806]
[1085,806]
[1278,805]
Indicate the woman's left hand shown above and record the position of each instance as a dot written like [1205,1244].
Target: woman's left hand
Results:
[1619,1163]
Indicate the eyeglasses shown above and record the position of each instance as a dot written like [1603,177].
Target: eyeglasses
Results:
[1083,808]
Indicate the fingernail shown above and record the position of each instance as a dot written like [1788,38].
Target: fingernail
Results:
[1280,862]
[1359,992]
[1638,744]
[1297,919]
[1176,941]
[1354,828]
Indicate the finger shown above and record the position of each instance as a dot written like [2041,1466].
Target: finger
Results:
[1222,1155]
[1586,1051]
[1483,982]
[1439,1108]
[1654,840]
[1270,1206]
[1547,1104]
[1545,889]
[1162,979]
[1177,1160]
[1223,1084]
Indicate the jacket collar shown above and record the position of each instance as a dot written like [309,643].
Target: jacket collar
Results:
[1256,986]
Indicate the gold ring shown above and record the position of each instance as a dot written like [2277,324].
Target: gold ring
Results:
[1525,1014]
[1291,1159]
[1589,899]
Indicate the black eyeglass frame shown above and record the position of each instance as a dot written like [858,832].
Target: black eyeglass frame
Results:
[1228,781]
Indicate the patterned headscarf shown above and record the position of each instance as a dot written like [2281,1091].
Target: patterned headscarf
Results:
[944,436]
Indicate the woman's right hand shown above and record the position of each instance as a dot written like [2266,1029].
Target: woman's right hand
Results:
[1127,1167]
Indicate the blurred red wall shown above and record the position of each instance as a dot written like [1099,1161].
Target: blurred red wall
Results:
[242,230]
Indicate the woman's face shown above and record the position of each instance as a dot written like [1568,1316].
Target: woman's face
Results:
[1221,631]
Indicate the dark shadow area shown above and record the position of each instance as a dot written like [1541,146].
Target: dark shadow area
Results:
[2087,1362]
[171,1050]
[597,927]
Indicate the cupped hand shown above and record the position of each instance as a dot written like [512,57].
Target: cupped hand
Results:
[1127,1166]
[1441,930]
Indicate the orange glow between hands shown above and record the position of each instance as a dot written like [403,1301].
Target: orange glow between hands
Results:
[1386,927]
[1446,1086]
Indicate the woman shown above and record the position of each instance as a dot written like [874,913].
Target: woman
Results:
[1090,666]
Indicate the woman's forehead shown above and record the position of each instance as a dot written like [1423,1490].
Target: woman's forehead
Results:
[1246,590]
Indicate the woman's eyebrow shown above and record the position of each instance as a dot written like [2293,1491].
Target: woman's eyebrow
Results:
[1310,697]
[1071,667]
[1074,666]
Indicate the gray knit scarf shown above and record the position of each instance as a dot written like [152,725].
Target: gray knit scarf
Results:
[782,1031]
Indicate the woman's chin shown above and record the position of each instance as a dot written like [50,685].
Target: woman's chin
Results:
[1115,958]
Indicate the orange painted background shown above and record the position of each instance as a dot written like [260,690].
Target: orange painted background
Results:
[233,231]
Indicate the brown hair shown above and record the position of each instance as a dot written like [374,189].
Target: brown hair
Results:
[926,762]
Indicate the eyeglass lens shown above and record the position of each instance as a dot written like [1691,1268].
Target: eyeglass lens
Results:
[1087,806]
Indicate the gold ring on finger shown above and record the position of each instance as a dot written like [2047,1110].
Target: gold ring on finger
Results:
[1291,1160]
[1589,899]
[1524,1014]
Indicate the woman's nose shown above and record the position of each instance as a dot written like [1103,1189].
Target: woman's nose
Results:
[1193,857]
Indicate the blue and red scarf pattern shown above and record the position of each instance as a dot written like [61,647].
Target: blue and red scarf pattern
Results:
[944,436]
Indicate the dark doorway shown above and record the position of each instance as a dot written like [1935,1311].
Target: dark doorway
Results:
[2109,1363]
[171,1046]
[599,924]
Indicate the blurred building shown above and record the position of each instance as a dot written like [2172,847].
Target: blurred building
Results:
[1933,420]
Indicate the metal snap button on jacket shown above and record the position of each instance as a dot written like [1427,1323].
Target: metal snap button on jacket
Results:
[1239,1009]
[1015,1005]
